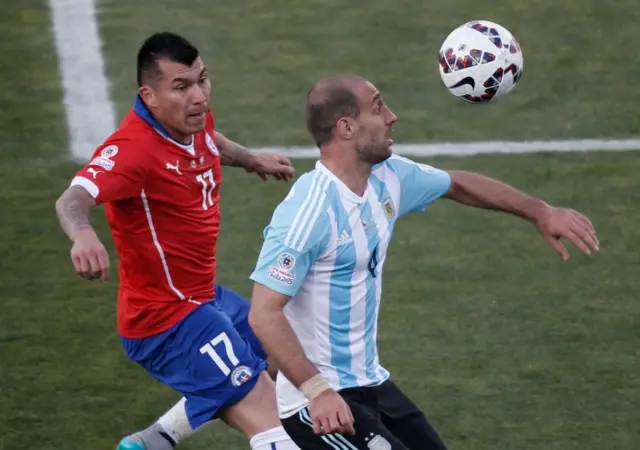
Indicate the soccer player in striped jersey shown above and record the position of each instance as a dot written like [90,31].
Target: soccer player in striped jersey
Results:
[318,280]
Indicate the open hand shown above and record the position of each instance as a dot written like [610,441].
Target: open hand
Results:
[558,223]
[265,164]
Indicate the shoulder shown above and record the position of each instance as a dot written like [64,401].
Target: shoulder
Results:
[126,145]
[133,133]
[404,170]
[401,165]
[310,191]
[302,215]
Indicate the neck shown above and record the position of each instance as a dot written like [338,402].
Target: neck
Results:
[352,172]
[143,109]
[184,139]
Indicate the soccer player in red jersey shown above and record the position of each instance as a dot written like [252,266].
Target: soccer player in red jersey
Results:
[159,178]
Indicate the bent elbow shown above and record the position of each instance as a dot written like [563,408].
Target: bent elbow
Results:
[59,204]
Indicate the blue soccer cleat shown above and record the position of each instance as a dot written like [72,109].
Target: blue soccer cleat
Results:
[152,438]
[127,444]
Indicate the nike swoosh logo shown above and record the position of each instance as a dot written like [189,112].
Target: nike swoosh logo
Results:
[466,80]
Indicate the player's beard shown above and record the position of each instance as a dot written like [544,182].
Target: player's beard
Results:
[375,152]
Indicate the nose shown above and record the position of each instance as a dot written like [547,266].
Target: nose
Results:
[391,117]
[198,97]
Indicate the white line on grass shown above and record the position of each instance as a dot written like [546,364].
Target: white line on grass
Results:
[486,147]
[91,116]
[90,112]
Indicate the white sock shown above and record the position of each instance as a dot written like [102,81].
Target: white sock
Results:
[273,439]
[176,423]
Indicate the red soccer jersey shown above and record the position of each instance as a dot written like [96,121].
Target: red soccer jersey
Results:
[161,202]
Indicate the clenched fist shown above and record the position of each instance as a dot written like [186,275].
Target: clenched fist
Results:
[89,256]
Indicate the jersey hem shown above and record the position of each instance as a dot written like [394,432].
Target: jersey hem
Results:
[295,410]
[136,333]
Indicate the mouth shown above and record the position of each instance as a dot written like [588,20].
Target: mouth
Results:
[389,133]
[197,115]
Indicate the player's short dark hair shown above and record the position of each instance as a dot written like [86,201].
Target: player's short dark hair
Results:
[164,45]
[327,102]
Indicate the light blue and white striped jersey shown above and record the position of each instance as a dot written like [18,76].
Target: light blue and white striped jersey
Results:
[325,247]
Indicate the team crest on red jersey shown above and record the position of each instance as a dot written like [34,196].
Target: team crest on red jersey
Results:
[109,151]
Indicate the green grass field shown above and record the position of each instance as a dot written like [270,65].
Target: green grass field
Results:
[501,343]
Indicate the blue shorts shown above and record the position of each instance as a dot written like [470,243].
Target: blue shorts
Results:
[212,356]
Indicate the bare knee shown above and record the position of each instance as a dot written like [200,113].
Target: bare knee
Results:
[257,411]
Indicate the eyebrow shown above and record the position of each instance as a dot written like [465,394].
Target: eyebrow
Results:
[185,80]
[375,98]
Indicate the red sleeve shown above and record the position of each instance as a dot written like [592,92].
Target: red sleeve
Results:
[116,171]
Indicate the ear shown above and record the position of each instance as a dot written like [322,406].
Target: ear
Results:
[345,128]
[148,96]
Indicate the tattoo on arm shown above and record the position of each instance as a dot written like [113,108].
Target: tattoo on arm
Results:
[74,210]
[232,153]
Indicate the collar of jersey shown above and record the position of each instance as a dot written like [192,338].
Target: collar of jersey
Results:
[143,112]
[348,193]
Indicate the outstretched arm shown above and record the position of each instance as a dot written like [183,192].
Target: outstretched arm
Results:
[553,223]
[479,191]
[232,153]
[264,164]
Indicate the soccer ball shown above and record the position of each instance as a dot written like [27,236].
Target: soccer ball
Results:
[480,61]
